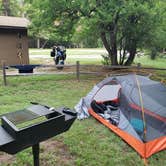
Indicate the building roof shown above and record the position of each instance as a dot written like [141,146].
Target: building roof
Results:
[16,22]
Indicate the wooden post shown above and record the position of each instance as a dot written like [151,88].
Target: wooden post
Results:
[4,73]
[78,70]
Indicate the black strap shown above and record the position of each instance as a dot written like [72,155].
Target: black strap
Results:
[98,107]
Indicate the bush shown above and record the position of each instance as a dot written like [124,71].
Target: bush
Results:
[106,60]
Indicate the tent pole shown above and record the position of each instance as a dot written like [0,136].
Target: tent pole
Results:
[145,161]
[142,108]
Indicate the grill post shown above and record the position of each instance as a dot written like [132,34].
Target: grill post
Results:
[35,151]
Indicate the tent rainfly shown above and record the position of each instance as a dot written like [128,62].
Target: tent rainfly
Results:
[133,107]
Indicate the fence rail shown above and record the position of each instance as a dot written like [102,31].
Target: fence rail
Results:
[76,70]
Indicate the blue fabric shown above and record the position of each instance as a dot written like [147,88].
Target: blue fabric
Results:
[137,125]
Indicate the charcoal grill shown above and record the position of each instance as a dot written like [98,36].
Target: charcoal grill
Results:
[28,127]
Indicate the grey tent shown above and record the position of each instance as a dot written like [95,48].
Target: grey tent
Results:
[141,108]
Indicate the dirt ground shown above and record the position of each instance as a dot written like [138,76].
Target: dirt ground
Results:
[6,158]
[51,151]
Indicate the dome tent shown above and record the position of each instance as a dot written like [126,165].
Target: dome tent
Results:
[142,110]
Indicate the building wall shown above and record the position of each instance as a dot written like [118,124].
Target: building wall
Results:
[14,46]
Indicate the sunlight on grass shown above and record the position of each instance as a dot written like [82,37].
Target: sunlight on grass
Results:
[91,56]
[146,61]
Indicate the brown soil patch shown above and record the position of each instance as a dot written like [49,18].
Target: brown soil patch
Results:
[55,151]
[52,152]
[6,158]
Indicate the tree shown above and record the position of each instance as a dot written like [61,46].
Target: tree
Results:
[84,37]
[6,8]
[158,34]
[122,25]
[10,8]
[42,25]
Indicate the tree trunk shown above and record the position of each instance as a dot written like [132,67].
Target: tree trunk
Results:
[105,42]
[112,48]
[6,7]
[38,42]
[106,45]
[131,57]
[114,59]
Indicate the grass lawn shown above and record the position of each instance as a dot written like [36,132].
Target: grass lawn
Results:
[85,56]
[87,143]
[146,61]
[71,51]
[90,56]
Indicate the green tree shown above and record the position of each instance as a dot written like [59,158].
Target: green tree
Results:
[10,8]
[122,25]
[5,8]
[158,34]
[84,37]
[42,25]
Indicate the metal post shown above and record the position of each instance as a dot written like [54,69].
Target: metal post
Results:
[4,73]
[35,151]
[78,70]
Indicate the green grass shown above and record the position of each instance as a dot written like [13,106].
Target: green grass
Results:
[87,142]
[146,61]
[85,56]
[81,55]
[70,51]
